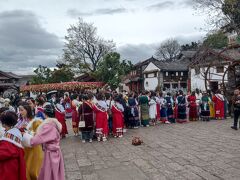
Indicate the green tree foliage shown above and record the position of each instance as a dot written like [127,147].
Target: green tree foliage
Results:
[84,49]
[62,74]
[111,69]
[44,75]
[216,40]
[191,46]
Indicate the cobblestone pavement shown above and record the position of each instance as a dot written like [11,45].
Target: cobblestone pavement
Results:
[194,151]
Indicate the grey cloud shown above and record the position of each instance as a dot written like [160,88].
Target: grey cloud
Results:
[141,52]
[187,3]
[24,43]
[136,53]
[107,11]
[161,5]
[171,4]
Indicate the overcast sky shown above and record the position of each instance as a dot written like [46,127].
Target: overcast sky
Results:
[32,31]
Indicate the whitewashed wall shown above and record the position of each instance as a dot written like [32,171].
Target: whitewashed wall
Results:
[151,82]
[198,81]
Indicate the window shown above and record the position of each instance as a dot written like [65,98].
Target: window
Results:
[197,70]
[155,74]
[220,69]
[166,74]
[146,84]
[176,73]
[146,75]
[181,73]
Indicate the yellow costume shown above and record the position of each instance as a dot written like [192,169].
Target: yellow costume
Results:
[33,156]
[212,111]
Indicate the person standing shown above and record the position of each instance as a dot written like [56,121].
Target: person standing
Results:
[109,102]
[25,116]
[48,134]
[60,116]
[181,108]
[12,163]
[33,155]
[134,113]
[169,102]
[117,113]
[236,107]
[100,109]
[193,112]
[163,109]
[86,115]
[218,100]
[144,109]
[153,109]
[205,107]
[75,119]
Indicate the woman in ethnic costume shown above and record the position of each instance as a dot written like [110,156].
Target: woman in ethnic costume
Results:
[33,156]
[60,116]
[211,105]
[158,106]
[12,163]
[25,116]
[144,109]
[67,105]
[48,134]
[198,94]
[75,119]
[218,100]
[205,108]
[117,113]
[109,102]
[193,113]
[39,107]
[86,115]
[134,113]
[163,110]
[100,109]
[32,104]
[152,109]
[169,102]
[181,108]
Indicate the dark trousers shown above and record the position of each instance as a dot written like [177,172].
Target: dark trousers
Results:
[236,116]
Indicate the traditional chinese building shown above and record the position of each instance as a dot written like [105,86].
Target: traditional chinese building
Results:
[209,69]
[9,82]
[153,74]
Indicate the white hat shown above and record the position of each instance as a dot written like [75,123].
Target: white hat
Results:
[2,100]
[7,100]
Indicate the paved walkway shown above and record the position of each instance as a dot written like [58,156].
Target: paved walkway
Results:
[194,151]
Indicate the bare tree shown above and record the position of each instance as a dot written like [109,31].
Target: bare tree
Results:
[84,49]
[168,50]
[220,13]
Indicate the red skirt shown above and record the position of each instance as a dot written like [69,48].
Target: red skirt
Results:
[158,111]
[61,118]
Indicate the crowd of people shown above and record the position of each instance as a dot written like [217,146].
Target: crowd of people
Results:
[31,129]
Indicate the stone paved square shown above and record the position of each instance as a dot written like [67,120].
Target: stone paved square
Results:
[192,151]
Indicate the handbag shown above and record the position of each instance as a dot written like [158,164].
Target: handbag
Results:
[82,123]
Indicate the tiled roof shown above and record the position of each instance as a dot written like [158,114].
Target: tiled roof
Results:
[146,62]
[178,65]
[10,75]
